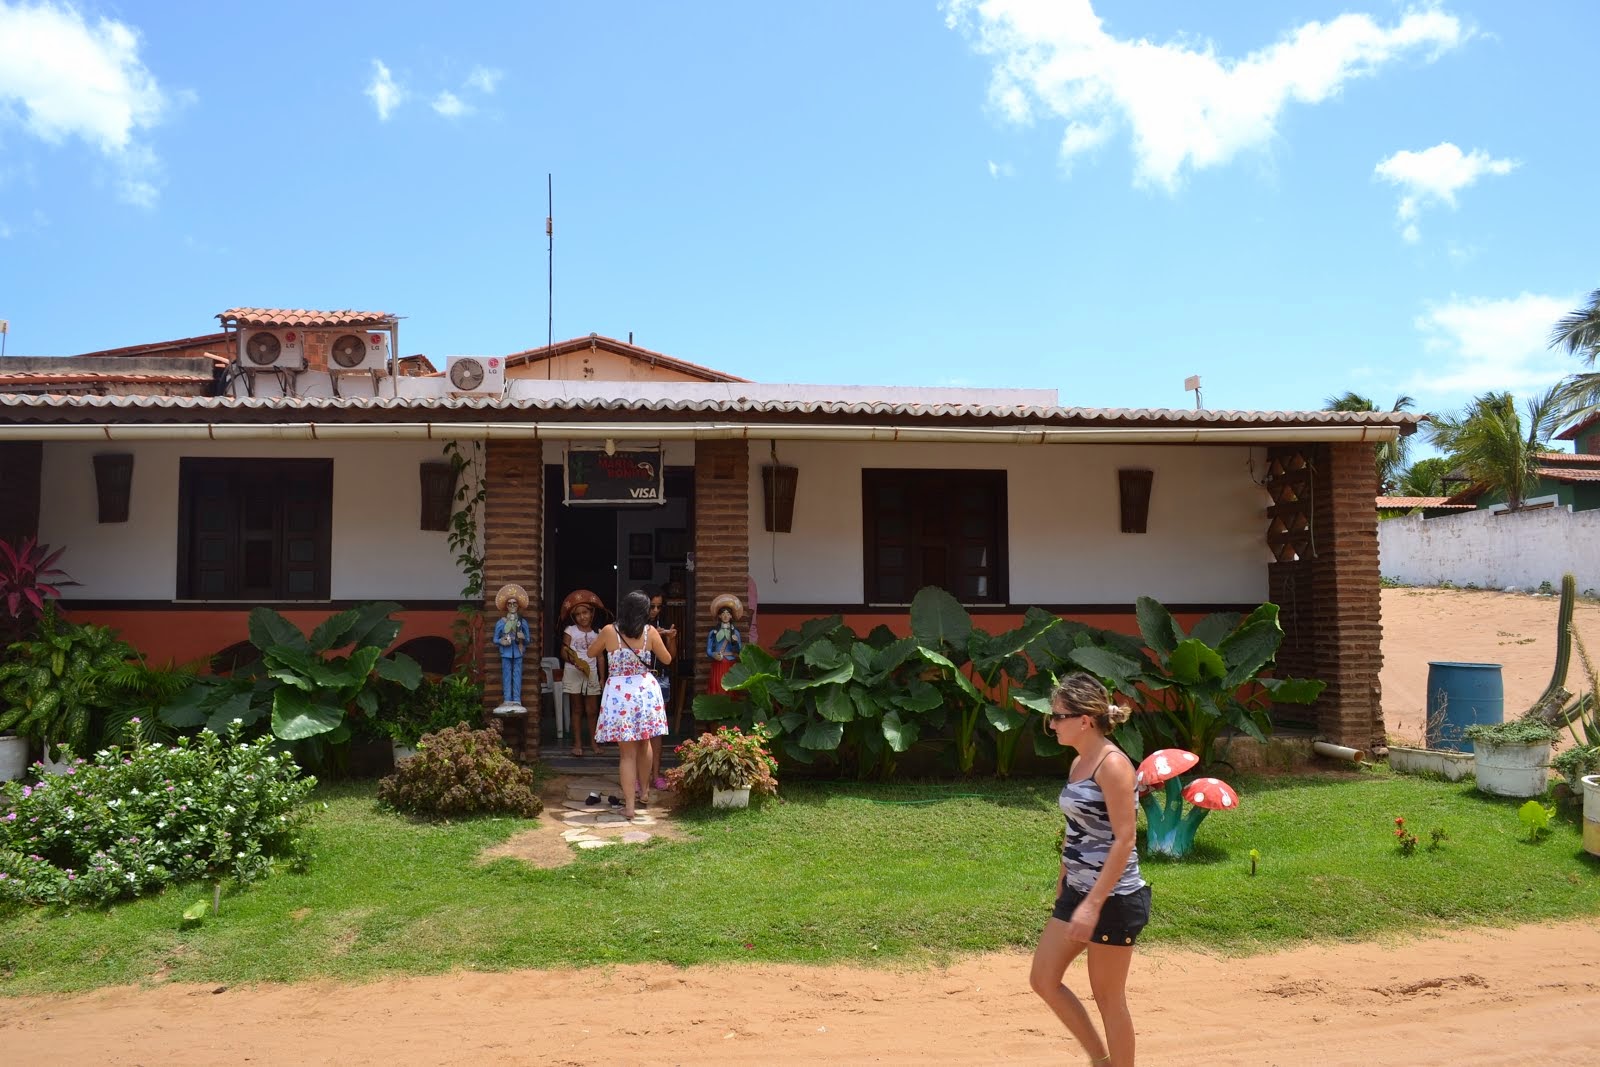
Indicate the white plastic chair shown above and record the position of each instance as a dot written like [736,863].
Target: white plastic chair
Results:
[550,667]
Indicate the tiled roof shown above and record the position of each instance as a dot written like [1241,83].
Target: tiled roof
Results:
[682,407]
[1386,502]
[1569,459]
[303,318]
[158,347]
[1567,474]
[94,378]
[623,348]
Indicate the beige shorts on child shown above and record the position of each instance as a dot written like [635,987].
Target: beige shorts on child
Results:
[575,682]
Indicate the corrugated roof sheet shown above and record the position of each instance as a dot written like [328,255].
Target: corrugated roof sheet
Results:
[303,317]
[465,408]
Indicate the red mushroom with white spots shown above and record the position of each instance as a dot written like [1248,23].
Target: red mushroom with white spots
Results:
[1170,827]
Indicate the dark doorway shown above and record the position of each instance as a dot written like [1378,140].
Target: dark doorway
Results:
[580,553]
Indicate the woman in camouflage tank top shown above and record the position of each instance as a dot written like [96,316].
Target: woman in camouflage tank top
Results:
[1102,903]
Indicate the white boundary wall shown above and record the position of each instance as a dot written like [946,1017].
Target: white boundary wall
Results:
[1493,549]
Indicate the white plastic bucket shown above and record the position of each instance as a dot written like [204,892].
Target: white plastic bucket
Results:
[1591,814]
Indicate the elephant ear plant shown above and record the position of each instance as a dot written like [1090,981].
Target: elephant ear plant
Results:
[299,682]
[1197,685]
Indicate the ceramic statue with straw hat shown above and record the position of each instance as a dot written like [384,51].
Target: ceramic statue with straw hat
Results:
[723,642]
[511,637]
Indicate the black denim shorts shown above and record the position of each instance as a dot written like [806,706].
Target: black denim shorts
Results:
[1122,916]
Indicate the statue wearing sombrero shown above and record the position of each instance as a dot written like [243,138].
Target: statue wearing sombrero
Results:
[723,642]
[511,637]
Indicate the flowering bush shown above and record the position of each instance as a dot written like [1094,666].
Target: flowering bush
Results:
[134,820]
[727,759]
[461,771]
[1406,841]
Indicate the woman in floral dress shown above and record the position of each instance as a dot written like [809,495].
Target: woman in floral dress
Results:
[631,709]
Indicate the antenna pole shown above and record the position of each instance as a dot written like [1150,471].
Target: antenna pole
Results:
[550,271]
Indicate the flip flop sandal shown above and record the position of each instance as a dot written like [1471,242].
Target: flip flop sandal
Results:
[592,800]
[613,802]
[660,783]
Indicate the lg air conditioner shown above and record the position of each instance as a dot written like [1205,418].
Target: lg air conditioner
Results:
[272,349]
[355,350]
[476,375]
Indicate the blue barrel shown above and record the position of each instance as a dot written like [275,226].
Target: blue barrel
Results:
[1459,695]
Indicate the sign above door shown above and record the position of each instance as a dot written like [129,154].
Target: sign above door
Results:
[621,476]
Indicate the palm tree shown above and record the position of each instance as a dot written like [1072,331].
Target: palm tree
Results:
[1391,455]
[1487,440]
[1579,334]
[1579,331]
[1425,477]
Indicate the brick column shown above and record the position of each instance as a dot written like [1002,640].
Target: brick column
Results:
[1347,605]
[20,466]
[513,524]
[721,536]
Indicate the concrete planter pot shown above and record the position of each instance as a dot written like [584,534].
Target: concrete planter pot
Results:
[13,758]
[1450,765]
[1512,770]
[402,752]
[1591,814]
[730,798]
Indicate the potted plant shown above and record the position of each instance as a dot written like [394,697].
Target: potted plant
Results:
[725,767]
[1511,759]
[58,686]
[406,716]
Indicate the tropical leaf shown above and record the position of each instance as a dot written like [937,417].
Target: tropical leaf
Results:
[295,716]
[268,629]
[1195,662]
[1160,630]
[330,633]
[835,705]
[716,707]
[1106,664]
[938,620]
[900,733]
[401,669]
[1214,628]
[822,736]
[1293,690]
[373,626]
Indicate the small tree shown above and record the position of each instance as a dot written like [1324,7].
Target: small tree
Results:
[1493,444]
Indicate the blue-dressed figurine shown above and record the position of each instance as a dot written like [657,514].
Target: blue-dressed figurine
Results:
[511,637]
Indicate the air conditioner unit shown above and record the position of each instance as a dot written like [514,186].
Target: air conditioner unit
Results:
[272,349]
[476,375]
[359,350]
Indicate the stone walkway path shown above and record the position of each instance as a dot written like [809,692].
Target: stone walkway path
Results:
[599,825]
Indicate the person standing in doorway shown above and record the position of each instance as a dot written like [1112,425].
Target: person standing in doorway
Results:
[1102,902]
[631,711]
[669,638]
[580,675]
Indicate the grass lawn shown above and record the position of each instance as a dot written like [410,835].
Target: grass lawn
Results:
[834,873]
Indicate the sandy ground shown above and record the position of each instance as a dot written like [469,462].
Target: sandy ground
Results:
[1515,630]
[1525,996]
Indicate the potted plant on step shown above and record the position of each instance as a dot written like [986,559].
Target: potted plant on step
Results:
[1512,759]
[725,767]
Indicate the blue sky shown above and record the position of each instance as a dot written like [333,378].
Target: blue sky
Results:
[1290,199]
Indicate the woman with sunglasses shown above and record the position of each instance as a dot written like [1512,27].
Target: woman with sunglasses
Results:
[1101,901]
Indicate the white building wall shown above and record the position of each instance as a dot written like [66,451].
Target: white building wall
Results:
[1493,549]
[378,551]
[1206,539]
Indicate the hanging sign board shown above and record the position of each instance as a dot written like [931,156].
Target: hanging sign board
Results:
[625,476]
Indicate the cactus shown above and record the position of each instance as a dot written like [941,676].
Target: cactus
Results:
[1551,705]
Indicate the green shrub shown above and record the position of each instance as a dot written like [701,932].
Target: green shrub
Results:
[132,821]
[1514,732]
[405,716]
[1576,762]
[727,759]
[59,685]
[462,771]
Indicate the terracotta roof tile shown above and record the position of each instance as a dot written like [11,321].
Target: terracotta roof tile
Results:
[96,378]
[624,348]
[1418,502]
[303,318]
[1574,459]
[1567,474]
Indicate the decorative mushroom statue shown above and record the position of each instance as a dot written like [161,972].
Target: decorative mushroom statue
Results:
[1171,829]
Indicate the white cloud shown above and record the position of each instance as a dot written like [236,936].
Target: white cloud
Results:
[386,93]
[451,106]
[1483,344]
[1186,107]
[1434,176]
[1001,170]
[63,78]
[484,80]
